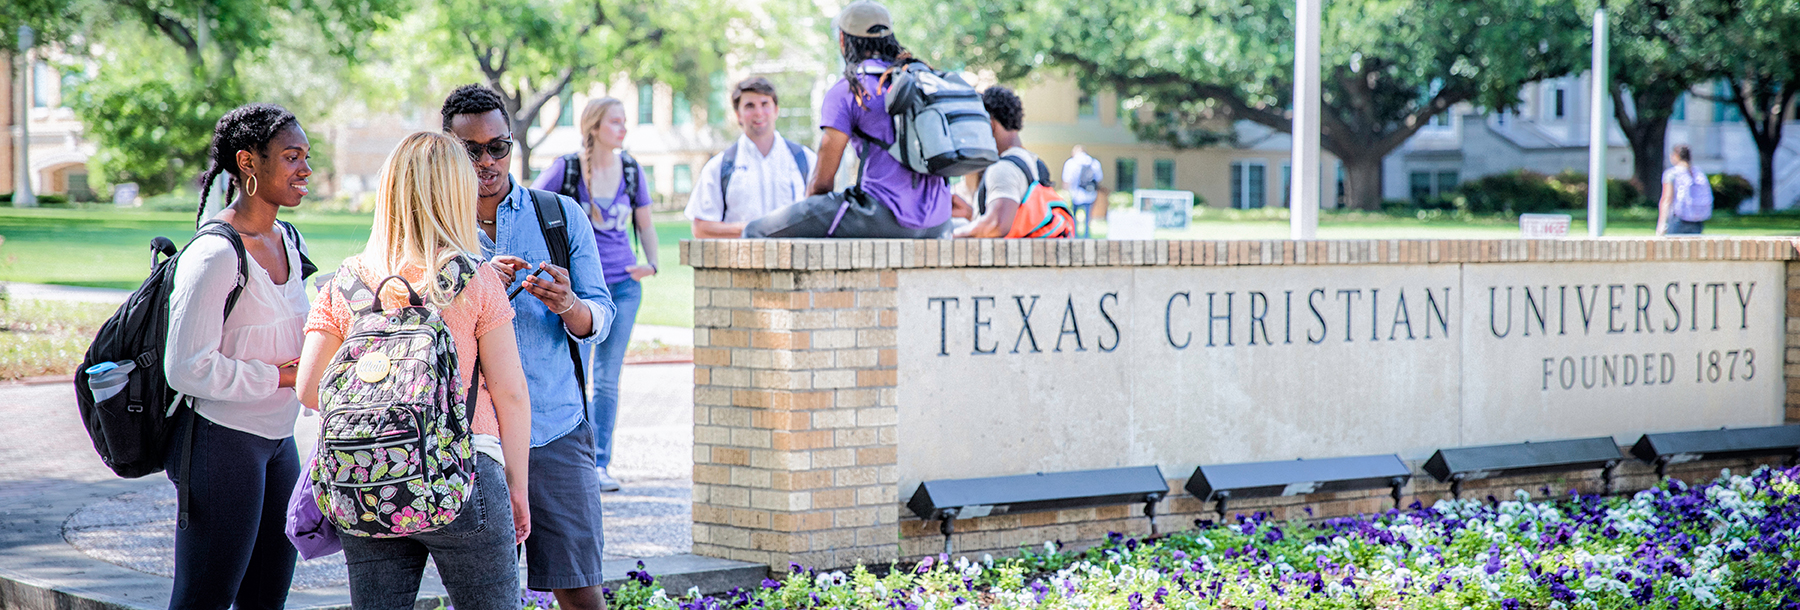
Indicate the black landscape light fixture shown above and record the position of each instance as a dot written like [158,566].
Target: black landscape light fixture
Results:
[946,500]
[1454,466]
[1723,444]
[1224,482]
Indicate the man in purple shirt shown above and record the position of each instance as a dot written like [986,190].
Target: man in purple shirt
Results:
[889,201]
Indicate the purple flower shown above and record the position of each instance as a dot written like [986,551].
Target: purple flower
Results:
[1509,604]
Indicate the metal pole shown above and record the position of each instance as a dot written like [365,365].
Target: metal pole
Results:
[1303,213]
[1599,114]
[22,195]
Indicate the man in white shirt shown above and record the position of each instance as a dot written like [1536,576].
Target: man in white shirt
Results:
[757,174]
[1083,175]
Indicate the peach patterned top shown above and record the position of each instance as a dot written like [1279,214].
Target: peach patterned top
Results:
[479,308]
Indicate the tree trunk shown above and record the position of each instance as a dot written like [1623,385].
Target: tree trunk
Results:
[1765,181]
[1362,181]
[522,141]
[1647,157]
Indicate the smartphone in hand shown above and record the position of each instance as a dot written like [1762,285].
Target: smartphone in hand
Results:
[521,286]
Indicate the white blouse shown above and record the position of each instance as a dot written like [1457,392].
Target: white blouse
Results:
[230,366]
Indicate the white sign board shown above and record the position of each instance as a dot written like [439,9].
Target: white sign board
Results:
[1130,224]
[1544,226]
[1173,209]
[1010,371]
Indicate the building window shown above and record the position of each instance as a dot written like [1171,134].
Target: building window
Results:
[1086,107]
[1420,184]
[1338,199]
[1125,175]
[1441,119]
[1725,110]
[1446,183]
[646,104]
[683,111]
[1557,109]
[43,83]
[650,178]
[684,179]
[1287,185]
[1165,173]
[1249,184]
[720,99]
[1679,113]
[567,117]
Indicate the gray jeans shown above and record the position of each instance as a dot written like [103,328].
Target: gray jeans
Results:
[845,214]
[475,555]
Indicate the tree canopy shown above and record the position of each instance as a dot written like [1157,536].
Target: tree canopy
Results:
[1389,65]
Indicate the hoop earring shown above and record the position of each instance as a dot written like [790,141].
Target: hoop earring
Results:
[253,186]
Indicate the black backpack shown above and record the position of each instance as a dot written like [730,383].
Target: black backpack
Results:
[131,429]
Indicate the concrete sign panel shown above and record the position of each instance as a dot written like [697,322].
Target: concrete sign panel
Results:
[1010,371]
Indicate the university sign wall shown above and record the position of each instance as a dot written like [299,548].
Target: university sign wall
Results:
[832,377]
[1179,366]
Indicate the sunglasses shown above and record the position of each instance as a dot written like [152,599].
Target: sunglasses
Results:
[498,149]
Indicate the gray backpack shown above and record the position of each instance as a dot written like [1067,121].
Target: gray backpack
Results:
[940,126]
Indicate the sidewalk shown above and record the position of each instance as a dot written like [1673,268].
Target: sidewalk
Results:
[67,524]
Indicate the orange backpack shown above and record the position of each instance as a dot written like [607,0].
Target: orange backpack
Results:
[1043,213]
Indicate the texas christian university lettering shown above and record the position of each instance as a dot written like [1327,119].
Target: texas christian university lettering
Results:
[1599,335]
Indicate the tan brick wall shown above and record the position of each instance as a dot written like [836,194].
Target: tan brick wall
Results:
[1791,363]
[795,400]
[795,416]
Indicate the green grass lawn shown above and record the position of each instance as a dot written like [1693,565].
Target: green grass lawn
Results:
[110,248]
[107,247]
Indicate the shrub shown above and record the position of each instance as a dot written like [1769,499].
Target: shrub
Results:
[1516,192]
[1729,190]
[1620,194]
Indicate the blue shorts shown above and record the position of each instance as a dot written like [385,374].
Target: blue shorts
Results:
[1678,226]
[563,551]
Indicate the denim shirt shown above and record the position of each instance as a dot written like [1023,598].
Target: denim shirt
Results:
[556,399]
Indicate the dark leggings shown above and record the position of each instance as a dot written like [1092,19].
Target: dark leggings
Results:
[234,550]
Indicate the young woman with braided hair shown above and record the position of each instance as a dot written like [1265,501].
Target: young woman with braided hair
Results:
[238,369]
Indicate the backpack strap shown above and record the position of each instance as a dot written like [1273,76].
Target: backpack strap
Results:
[727,167]
[981,193]
[630,179]
[307,267]
[571,176]
[183,489]
[555,227]
[799,153]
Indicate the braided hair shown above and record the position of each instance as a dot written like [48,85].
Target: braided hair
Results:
[250,127]
[856,49]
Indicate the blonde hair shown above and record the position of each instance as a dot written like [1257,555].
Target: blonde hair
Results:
[424,211]
[592,115]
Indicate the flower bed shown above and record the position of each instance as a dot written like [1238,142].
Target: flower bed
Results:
[1733,543]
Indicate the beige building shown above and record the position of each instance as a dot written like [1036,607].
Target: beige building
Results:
[57,152]
[1253,172]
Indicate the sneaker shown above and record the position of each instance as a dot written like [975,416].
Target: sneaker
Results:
[607,482]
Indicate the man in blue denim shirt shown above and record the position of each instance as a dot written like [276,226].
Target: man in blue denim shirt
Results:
[563,552]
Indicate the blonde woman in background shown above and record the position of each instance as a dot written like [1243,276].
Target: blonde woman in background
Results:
[424,220]
[603,166]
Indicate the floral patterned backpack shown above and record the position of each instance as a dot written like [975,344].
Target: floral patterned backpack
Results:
[396,453]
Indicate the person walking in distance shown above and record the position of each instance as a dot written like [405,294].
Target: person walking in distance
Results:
[547,244]
[231,351]
[1083,175]
[424,232]
[1687,197]
[603,166]
[757,174]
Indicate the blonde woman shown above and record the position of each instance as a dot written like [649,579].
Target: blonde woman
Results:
[603,166]
[425,220]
